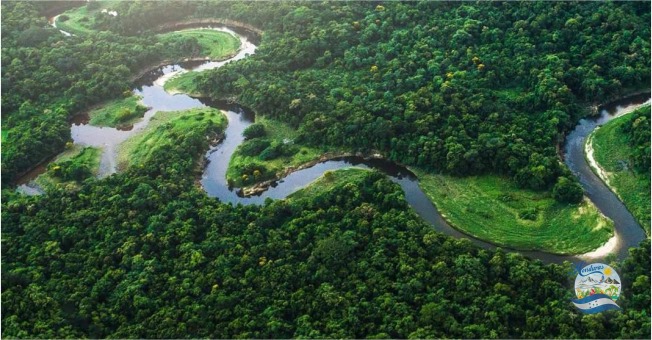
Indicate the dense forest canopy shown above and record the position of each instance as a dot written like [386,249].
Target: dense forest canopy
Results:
[454,87]
[145,254]
[457,87]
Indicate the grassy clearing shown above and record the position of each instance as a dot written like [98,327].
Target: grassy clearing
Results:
[164,130]
[213,44]
[119,112]
[327,181]
[279,136]
[183,83]
[81,20]
[611,152]
[70,168]
[495,209]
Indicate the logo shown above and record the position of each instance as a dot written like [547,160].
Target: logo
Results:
[597,287]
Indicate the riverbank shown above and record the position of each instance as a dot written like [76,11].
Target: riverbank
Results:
[493,208]
[608,152]
[163,131]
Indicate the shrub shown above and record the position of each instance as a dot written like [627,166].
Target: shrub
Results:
[567,190]
[254,131]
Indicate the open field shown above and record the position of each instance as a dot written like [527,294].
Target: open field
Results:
[496,210]
[164,129]
[213,44]
[70,167]
[279,139]
[81,20]
[118,112]
[611,151]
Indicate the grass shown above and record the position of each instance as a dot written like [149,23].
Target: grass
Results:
[276,132]
[5,134]
[611,152]
[327,181]
[73,157]
[214,44]
[81,19]
[183,83]
[494,209]
[161,132]
[118,112]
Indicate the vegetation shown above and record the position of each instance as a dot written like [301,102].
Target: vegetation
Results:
[71,168]
[145,254]
[165,131]
[460,88]
[84,19]
[49,77]
[118,112]
[620,148]
[271,147]
[183,83]
[203,43]
[496,210]
[328,181]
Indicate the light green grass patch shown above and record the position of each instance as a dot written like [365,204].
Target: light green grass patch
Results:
[74,156]
[161,132]
[611,151]
[329,180]
[214,44]
[494,209]
[118,112]
[82,20]
[275,132]
[183,83]
[5,135]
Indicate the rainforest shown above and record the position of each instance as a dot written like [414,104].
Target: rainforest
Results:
[295,169]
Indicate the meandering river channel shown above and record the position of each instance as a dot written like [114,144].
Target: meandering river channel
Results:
[628,232]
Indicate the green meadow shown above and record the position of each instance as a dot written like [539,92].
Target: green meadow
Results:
[494,209]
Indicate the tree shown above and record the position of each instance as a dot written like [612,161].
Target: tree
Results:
[567,190]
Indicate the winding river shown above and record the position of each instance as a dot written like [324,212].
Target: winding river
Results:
[150,87]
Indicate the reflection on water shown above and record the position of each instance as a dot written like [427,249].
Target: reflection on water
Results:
[150,88]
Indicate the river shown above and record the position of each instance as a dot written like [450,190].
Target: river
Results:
[150,88]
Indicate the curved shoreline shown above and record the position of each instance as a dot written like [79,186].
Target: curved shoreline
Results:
[597,169]
[609,246]
[260,186]
[206,21]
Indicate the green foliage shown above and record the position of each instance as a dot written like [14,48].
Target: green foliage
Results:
[71,168]
[567,190]
[253,147]
[179,131]
[183,83]
[256,130]
[156,258]
[146,254]
[464,89]
[200,43]
[118,112]
[615,150]
[637,130]
[280,149]
[494,209]
[50,76]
